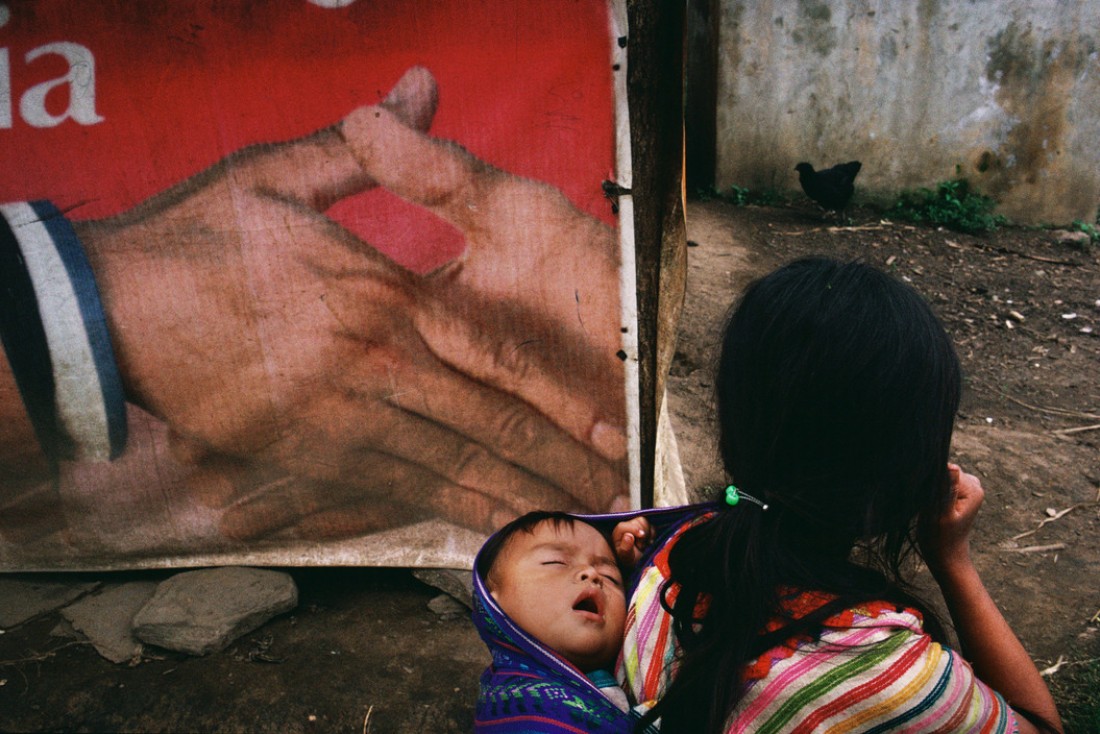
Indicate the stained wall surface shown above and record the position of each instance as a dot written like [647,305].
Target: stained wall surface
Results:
[1004,93]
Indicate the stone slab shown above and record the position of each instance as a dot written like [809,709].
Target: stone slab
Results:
[447,607]
[105,618]
[22,600]
[458,584]
[199,612]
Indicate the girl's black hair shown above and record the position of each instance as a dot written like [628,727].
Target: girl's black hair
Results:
[837,389]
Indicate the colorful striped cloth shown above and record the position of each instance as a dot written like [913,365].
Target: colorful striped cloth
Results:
[873,670]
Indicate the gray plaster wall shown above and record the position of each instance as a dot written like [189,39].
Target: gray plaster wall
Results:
[1004,93]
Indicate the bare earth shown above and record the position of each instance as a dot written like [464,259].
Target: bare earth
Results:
[1032,376]
[362,653]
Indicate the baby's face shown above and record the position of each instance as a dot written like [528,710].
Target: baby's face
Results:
[562,586]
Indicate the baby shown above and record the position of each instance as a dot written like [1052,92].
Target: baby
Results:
[554,625]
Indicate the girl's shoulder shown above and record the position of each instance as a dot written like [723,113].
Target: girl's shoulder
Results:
[857,627]
[872,668]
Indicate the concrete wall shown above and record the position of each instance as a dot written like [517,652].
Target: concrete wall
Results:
[1005,93]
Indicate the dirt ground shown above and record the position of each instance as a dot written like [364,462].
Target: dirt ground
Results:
[362,653]
[1024,312]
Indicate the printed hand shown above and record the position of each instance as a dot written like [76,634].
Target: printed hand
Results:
[274,343]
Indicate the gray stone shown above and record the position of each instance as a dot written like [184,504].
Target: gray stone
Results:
[64,630]
[1080,240]
[105,618]
[459,584]
[447,607]
[23,600]
[200,612]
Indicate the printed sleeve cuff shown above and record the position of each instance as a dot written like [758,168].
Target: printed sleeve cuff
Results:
[88,397]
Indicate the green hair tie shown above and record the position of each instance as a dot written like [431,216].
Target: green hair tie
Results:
[734,495]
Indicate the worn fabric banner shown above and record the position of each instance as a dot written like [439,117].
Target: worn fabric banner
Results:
[309,281]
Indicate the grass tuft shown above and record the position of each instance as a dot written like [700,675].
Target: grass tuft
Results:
[1090,229]
[741,196]
[950,204]
[1076,688]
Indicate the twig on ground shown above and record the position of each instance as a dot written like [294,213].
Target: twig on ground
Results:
[835,229]
[1017,253]
[1037,548]
[366,719]
[1054,411]
[1052,518]
[44,656]
[1078,429]
[1047,672]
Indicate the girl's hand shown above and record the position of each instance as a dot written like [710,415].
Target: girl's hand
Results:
[945,541]
[985,638]
[630,538]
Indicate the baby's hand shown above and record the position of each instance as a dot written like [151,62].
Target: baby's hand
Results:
[630,538]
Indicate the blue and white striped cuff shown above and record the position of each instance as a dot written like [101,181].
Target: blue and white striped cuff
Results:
[89,400]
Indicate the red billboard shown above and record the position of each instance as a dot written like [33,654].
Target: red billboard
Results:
[291,282]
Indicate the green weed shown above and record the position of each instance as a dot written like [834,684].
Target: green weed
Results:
[1090,229]
[1076,689]
[950,204]
[704,193]
[741,196]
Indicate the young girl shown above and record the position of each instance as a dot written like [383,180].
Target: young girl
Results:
[782,607]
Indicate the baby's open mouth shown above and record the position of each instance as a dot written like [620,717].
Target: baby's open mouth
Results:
[588,601]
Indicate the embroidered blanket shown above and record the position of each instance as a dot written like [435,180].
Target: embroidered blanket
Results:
[529,688]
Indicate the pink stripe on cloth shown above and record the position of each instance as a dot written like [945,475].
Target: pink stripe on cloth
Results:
[540,719]
[893,674]
[958,686]
[773,689]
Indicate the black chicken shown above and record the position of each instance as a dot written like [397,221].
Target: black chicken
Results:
[832,188]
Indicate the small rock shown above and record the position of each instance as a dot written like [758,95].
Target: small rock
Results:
[65,630]
[200,612]
[1074,239]
[105,618]
[459,584]
[447,607]
[23,600]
